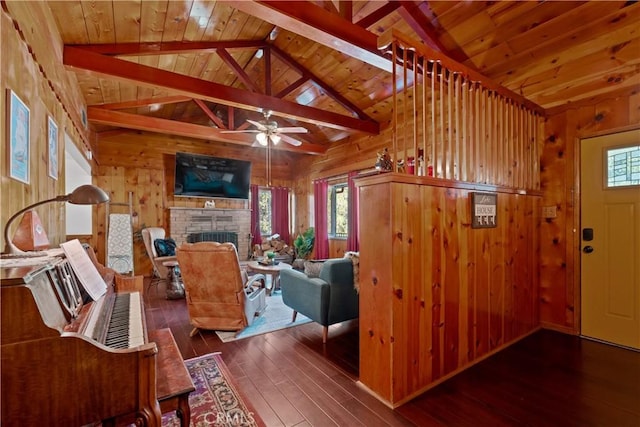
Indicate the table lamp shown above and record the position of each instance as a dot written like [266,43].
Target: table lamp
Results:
[83,195]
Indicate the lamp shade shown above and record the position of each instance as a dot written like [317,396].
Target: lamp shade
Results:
[87,195]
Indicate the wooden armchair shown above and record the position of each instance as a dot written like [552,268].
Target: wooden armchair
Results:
[219,294]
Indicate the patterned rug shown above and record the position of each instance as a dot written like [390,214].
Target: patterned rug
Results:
[275,317]
[215,401]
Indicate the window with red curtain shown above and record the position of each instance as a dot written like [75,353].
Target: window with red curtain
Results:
[280,213]
[320,188]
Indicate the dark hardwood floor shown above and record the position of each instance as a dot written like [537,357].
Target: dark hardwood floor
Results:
[546,379]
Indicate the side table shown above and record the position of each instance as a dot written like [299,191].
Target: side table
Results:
[175,288]
[272,270]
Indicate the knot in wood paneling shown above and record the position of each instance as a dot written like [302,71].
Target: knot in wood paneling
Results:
[398,293]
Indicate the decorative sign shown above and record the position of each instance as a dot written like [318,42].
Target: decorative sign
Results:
[484,210]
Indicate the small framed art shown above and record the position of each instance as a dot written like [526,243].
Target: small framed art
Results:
[18,129]
[52,138]
[484,210]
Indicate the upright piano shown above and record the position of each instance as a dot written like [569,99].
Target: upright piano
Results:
[62,364]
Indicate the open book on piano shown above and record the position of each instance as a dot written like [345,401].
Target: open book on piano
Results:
[67,362]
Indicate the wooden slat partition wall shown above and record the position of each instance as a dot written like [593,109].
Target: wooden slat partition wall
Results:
[436,295]
[467,129]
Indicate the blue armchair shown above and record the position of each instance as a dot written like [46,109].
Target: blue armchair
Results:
[328,299]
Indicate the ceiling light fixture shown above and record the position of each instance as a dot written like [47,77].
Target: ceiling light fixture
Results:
[262,138]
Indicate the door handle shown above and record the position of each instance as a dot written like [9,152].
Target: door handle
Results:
[587,249]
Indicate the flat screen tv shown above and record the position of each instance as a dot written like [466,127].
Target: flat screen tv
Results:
[205,176]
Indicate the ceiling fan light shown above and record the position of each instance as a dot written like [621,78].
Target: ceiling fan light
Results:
[275,139]
[261,137]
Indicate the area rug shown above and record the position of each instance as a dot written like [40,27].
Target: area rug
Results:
[216,400]
[275,317]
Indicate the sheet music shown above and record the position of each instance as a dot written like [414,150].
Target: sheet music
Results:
[85,269]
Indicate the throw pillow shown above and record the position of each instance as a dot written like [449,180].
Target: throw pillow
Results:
[312,268]
[355,261]
[165,247]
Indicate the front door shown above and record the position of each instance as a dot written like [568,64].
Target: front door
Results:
[610,238]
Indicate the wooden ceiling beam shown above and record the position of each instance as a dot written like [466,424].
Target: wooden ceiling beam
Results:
[233,64]
[81,60]
[293,86]
[321,84]
[190,130]
[418,21]
[317,24]
[139,49]
[215,119]
[144,102]
[378,14]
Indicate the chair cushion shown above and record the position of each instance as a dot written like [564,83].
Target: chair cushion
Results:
[312,268]
[165,247]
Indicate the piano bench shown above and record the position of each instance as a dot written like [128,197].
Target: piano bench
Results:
[174,383]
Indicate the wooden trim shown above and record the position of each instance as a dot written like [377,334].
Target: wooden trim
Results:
[374,178]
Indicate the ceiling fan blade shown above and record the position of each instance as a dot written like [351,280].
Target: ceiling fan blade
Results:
[257,124]
[290,140]
[296,129]
[241,131]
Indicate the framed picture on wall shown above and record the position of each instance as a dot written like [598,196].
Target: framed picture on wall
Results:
[52,138]
[18,137]
[484,210]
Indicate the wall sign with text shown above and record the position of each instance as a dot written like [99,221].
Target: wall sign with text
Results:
[484,210]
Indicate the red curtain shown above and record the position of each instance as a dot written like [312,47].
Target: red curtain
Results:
[280,213]
[320,188]
[353,239]
[255,212]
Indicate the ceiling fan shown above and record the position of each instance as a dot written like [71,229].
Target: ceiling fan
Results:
[268,130]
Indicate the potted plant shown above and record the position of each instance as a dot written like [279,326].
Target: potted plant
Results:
[303,245]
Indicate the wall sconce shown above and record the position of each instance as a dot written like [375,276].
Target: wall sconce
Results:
[83,195]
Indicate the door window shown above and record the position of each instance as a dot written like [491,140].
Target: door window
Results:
[623,166]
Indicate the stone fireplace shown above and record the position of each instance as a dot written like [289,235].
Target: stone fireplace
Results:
[211,222]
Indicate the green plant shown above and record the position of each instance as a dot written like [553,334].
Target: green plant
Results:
[304,243]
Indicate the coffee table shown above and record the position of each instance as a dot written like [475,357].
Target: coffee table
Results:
[272,270]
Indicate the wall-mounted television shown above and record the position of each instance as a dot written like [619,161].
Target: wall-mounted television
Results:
[205,176]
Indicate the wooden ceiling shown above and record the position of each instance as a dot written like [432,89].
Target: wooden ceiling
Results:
[197,68]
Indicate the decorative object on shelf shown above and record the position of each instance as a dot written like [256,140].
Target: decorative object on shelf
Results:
[400,166]
[484,210]
[411,165]
[209,204]
[384,163]
[52,139]
[83,195]
[19,145]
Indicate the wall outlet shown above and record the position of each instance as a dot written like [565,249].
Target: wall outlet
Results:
[549,212]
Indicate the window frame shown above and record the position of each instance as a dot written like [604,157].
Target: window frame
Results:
[332,195]
[605,161]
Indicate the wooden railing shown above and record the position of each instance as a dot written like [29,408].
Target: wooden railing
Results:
[451,122]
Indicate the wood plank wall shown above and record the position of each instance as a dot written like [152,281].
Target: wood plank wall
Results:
[144,163]
[559,237]
[31,66]
[435,294]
